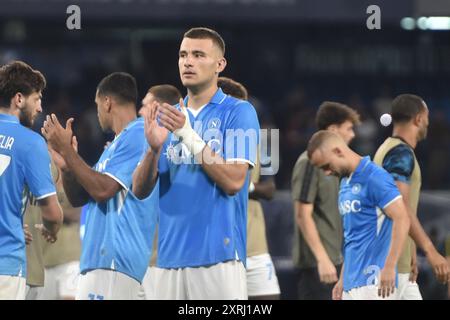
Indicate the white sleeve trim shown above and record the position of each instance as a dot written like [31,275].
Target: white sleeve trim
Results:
[242,160]
[116,179]
[393,200]
[151,194]
[46,195]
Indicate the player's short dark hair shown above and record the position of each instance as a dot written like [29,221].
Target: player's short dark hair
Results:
[120,85]
[317,140]
[330,113]
[16,77]
[206,33]
[233,88]
[405,107]
[166,93]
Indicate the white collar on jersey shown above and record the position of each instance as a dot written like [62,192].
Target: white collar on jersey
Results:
[196,112]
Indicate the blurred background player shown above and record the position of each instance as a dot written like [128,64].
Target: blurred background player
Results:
[203,203]
[35,244]
[53,268]
[396,155]
[62,258]
[375,219]
[24,167]
[119,228]
[164,93]
[318,233]
[262,281]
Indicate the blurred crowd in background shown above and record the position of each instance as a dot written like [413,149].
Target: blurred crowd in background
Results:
[283,72]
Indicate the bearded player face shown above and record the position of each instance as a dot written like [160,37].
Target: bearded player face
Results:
[30,109]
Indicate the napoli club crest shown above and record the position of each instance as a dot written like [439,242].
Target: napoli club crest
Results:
[356,188]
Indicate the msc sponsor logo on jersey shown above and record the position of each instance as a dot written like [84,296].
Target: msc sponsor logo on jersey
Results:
[349,206]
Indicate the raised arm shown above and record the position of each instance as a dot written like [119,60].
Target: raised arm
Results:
[146,173]
[76,194]
[76,173]
[99,186]
[229,173]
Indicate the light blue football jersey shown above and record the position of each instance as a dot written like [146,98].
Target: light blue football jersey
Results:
[119,232]
[367,229]
[199,223]
[24,169]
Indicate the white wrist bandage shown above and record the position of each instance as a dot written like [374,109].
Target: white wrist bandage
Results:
[189,137]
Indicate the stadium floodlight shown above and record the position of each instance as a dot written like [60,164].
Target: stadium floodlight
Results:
[408,23]
[438,23]
[422,23]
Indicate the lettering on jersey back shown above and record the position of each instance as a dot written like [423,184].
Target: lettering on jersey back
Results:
[6,142]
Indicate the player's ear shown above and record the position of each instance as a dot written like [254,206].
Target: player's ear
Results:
[419,118]
[221,64]
[108,104]
[18,100]
[333,128]
[338,152]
